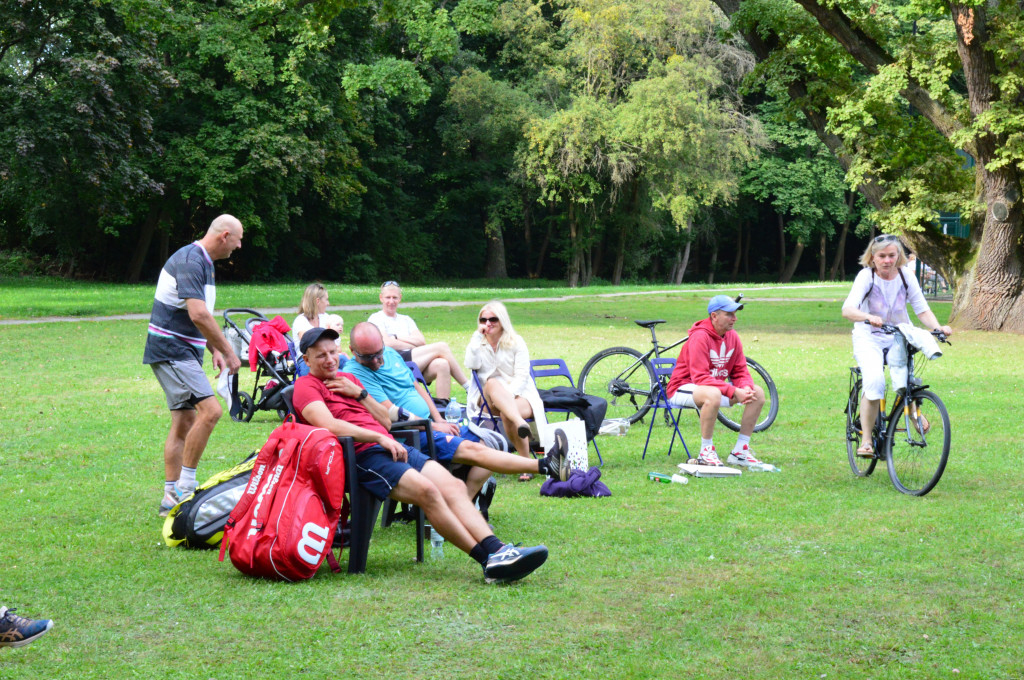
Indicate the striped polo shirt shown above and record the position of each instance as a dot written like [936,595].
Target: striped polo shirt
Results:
[172,335]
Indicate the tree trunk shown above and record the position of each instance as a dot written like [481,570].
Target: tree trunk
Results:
[739,253]
[839,261]
[620,257]
[990,295]
[496,267]
[528,235]
[787,275]
[714,261]
[782,246]
[821,258]
[543,250]
[142,245]
[681,272]
[574,250]
[675,266]
[746,253]
[684,259]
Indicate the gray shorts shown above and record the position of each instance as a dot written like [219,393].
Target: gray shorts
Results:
[185,383]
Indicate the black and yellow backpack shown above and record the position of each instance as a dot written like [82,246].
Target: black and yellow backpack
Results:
[198,520]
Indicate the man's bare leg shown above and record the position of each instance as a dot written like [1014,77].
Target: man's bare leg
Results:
[181,422]
[208,412]
[419,488]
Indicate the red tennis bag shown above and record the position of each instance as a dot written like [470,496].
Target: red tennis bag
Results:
[283,525]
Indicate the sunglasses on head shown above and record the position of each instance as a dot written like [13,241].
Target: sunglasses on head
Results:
[491,319]
[886,238]
[369,357]
[390,283]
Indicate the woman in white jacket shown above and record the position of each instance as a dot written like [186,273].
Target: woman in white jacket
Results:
[502,364]
[879,296]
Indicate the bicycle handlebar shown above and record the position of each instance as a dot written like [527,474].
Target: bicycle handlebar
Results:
[891,330]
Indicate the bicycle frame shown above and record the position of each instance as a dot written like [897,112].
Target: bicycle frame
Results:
[903,401]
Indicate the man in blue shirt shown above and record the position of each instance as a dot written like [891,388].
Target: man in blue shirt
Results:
[181,325]
[388,380]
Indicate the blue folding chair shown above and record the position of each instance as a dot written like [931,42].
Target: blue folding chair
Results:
[556,368]
[664,368]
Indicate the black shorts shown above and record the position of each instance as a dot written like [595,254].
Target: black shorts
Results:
[406,354]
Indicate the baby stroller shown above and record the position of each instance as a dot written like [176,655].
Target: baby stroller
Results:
[265,346]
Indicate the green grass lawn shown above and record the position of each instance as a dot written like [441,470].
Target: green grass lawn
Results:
[808,573]
[34,297]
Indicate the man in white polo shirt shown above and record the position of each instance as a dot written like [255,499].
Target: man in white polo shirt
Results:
[436,361]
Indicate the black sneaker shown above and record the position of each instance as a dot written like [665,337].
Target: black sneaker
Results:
[512,563]
[558,457]
[16,631]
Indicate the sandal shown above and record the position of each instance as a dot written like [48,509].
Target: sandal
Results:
[526,477]
[924,426]
[866,451]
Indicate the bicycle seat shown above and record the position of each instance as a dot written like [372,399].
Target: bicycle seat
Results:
[649,324]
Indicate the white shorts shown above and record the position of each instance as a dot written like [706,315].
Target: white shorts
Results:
[683,398]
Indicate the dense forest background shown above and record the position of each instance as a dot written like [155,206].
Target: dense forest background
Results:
[630,140]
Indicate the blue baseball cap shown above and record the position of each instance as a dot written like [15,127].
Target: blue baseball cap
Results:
[719,303]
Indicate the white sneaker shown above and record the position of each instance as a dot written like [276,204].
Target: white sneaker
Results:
[184,491]
[744,458]
[169,501]
[708,456]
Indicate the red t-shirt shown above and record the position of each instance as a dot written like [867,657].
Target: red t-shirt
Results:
[309,388]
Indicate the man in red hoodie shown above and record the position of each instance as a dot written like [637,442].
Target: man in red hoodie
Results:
[711,373]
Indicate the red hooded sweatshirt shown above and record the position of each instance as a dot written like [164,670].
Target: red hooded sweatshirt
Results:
[709,359]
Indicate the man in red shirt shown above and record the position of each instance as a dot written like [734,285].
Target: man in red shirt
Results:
[388,469]
[711,373]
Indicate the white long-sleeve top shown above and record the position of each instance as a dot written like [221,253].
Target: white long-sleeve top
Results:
[511,365]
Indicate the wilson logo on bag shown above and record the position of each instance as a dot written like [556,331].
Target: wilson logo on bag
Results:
[284,523]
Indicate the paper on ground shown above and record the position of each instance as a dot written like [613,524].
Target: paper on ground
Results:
[708,470]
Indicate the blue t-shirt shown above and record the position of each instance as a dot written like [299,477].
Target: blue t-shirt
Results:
[393,382]
[172,335]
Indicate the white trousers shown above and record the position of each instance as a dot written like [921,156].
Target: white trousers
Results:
[869,355]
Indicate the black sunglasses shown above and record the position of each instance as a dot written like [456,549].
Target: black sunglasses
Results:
[492,319]
[369,357]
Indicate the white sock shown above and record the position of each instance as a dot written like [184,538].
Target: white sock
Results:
[169,486]
[741,441]
[188,478]
[705,443]
[466,385]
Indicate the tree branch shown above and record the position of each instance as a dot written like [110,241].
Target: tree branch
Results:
[874,57]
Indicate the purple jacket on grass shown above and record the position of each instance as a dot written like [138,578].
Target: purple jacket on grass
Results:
[580,483]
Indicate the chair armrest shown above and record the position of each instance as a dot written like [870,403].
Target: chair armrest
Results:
[408,424]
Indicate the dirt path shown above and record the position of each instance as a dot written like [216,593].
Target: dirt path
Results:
[457,303]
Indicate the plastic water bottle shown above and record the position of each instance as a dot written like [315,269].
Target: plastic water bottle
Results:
[436,544]
[679,479]
[453,412]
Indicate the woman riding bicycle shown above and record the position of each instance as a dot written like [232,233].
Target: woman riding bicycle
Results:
[879,296]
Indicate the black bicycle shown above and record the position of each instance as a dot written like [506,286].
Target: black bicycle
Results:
[913,438]
[626,379]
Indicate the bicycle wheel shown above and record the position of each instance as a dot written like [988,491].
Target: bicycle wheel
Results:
[623,377]
[862,467]
[771,401]
[917,458]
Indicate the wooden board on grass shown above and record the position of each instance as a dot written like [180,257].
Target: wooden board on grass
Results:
[709,470]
